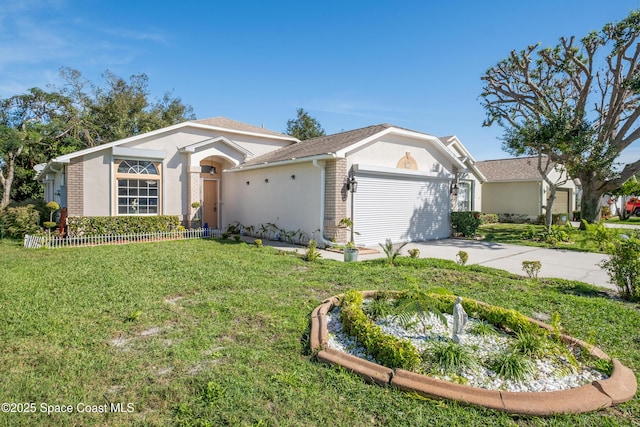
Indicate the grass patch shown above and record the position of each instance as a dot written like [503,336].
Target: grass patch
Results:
[205,332]
[579,240]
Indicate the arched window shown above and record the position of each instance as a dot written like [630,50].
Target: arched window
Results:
[137,187]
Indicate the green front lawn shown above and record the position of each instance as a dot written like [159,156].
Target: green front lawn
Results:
[579,240]
[214,333]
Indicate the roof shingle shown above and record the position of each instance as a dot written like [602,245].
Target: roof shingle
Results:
[516,169]
[226,123]
[317,146]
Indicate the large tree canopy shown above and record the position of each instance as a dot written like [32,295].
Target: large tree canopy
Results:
[304,126]
[39,125]
[587,92]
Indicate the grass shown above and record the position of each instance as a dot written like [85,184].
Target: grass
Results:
[632,220]
[512,233]
[203,332]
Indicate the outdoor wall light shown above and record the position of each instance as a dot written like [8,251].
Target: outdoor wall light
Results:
[213,170]
[248,182]
[454,189]
[352,184]
[266,180]
[293,177]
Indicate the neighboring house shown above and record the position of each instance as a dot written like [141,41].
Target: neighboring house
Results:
[515,186]
[407,181]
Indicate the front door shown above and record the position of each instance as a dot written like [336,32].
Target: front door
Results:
[210,203]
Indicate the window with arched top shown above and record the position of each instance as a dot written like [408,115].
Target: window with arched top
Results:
[137,187]
[142,167]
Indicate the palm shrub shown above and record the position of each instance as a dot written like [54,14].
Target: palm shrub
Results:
[391,251]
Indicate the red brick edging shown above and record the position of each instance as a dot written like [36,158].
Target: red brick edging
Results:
[620,387]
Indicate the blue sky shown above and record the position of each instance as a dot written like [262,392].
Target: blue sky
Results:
[415,64]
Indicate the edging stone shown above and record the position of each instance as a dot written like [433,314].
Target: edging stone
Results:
[620,387]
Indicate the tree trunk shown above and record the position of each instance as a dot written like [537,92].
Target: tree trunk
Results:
[548,219]
[590,202]
[7,181]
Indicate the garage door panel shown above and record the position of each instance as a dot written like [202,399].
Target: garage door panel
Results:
[400,209]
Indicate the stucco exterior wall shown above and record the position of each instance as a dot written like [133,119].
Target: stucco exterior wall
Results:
[389,150]
[523,198]
[97,184]
[291,204]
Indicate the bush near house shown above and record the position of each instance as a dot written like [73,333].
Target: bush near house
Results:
[489,218]
[466,223]
[16,221]
[111,225]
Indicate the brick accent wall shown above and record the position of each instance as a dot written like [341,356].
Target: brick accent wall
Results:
[335,200]
[75,187]
[194,195]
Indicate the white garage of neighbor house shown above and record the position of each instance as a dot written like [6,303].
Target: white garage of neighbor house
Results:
[406,183]
[515,186]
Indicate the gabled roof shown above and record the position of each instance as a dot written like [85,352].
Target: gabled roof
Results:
[215,123]
[323,145]
[515,169]
[225,123]
[339,145]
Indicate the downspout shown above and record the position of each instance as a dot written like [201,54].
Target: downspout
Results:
[323,240]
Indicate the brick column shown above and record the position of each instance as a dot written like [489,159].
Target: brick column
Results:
[75,187]
[194,194]
[335,200]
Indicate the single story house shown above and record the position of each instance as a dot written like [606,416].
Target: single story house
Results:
[395,183]
[514,186]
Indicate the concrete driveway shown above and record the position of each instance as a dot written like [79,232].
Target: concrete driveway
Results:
[572,265]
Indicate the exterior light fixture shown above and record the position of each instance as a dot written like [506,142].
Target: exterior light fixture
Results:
[293,177]
[248,182]
[266,180]
[352,184]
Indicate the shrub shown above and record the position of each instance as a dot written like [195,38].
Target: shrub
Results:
[391,251]
[112,225]
[512,366]
[489,218]
[532,268]
[605,237]
[462,257]
[312,253]
[414,253]
[387,349]
[448,356]
[258,243]
[465,223]
[623,267]
[514,218]
[20,220]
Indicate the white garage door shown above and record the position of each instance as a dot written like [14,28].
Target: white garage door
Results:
[400,208]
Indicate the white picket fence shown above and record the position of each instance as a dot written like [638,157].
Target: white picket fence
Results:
[51,242]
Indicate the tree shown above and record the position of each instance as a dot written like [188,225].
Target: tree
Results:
[552,136]
[304,126]
[28,126]
[593,83]
[38,125]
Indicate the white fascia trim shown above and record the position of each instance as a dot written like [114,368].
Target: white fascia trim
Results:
[138,153]
[403,132]
[193,147]
[241,168]
[453,140]
[67,157]
[408,173]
